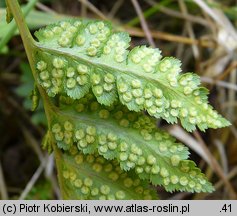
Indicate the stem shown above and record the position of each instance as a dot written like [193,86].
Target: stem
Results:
[26,36]
[30,46]
[58,158]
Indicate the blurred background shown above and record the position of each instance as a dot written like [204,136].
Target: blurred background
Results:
[201,33]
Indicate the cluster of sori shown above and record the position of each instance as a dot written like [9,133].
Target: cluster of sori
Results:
[86,36]
[93,177]
[58,76]
[132,139]
[86,54]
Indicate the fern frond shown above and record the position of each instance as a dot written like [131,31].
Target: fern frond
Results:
[131,138]
[93,177]
[94,91]
[76,56]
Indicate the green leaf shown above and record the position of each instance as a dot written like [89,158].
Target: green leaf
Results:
[42,190]
[131,138]
[35,98]
[9,16]
[76,56]
[35,19]
[93,177]
[7,31]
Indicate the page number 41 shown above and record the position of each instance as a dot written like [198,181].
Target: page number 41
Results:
[226,208]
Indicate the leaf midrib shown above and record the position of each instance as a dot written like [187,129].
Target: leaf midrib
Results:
[98,63]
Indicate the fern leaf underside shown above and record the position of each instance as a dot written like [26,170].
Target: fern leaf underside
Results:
[101,88]
[76,56]
[131,138]
[93,177]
